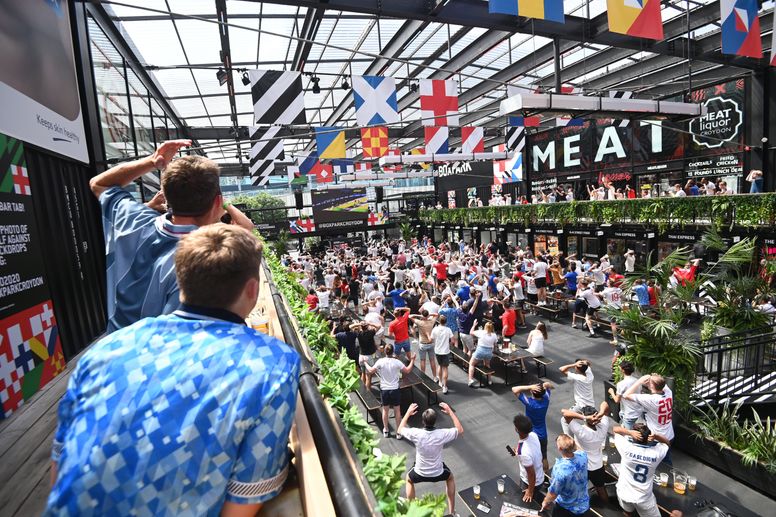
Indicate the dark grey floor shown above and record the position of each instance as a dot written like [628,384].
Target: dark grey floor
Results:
[486,415]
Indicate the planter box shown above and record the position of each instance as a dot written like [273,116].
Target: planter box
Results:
[725,460]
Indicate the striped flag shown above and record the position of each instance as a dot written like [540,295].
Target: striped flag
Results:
[472,140]
[638,18]
[278,97]
[741,28]
[437,139]
[265,149]
[569,122]
[509,170]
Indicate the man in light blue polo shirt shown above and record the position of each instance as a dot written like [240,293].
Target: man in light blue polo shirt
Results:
[140,244]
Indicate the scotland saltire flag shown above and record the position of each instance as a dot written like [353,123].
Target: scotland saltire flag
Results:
[740,28]
[375,100]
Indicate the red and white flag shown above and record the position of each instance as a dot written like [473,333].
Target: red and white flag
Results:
[439,102]
[393,167]
[472,140]
[437,139]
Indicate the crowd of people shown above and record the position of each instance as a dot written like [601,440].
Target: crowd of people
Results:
[444,295]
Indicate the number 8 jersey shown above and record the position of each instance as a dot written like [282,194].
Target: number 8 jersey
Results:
[637,468]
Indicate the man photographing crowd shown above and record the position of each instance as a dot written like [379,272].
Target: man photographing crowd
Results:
[187,413]
[140,243]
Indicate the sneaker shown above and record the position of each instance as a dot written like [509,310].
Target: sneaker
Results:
[591,335]
[613,342]
[523,370]
[398,436]
[386,433]
[436,379]
[444,389]
[472,383]
[574,325]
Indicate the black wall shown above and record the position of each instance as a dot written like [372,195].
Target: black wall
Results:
[69,222]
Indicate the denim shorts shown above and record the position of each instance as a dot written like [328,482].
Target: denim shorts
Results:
[483,354]
[426,351]
[398,346]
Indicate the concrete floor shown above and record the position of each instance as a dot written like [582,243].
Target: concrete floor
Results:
[486,415]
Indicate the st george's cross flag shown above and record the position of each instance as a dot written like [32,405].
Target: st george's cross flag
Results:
[438,102]
[638,18]
[330,142]
[374,142]
[740,28]
[278,98]
[437,140]
[551,10]
[472,140]
[302,225]
[375,100]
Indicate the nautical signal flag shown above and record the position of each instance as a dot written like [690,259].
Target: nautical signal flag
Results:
[773,48]
[312,166]
[375,100]
[438,102]
[472,140]
[302,225]
[396,167]
[374,141]
[295,177]
[343,166]
[740,28]
[330,142]
[437,140]
[524,121]
[417,151]
[551,10]
[639,18]
[363,167]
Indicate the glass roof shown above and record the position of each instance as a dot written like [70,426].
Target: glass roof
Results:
[178,42]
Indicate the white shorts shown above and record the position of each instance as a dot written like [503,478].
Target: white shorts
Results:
[646,508]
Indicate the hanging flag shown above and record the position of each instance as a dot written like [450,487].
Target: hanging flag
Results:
[569,122]
[265,149]
[312,166]
[330,142]
[509,170]
[524,121]
[375,218]
[437,140]
[295,177]
[740,28]
[343,166]
[638,18]
[513,134]
[472,140]
[375,100]
[278,97]
[438,102]
[551,10]
[417,151]
[773,48]
[374,141]
[302,225]
[393,168]
[363,167]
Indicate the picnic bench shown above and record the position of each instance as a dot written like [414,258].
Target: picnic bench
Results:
[462,360]
[369,401]
[429,386]
[555,306]
[541,364]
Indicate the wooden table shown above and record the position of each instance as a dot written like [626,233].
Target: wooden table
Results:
[509,358]
[691,502]
[489,496]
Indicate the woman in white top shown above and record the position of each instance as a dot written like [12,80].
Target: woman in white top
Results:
[536,339]
[486,340]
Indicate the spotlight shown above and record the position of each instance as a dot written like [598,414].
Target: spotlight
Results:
[413,87]
[764,139]
[221,76]
[345,84]
[245,79]
[316,87]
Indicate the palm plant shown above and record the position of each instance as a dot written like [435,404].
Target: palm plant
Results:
[406,231]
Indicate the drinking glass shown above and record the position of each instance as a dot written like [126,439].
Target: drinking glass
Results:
[680,482]
[605,457]
[477,492]
[663,479]
[500,486]
[691,482]
[611,442]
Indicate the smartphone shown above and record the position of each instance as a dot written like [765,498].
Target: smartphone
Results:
[510,450]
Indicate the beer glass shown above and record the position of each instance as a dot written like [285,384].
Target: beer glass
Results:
[477,492]
[500,485]
[691,482]
[663,479]
[680,482]
[605,458]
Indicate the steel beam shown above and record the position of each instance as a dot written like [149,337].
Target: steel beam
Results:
[474,13]
[226,133]
[312,22]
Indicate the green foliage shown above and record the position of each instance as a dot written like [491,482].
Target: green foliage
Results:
[717,211]
[406,231]
[755,439]
[339,378]
[263,200]
[280,245]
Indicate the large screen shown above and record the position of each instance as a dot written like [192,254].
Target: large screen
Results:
[38,84]
[340,209]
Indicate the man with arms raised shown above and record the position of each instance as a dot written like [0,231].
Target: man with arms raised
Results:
[640,452]
[429,442]
[658,405]
[140,243]
[187,413]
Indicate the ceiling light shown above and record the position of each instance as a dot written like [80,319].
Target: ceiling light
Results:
[221,76]
[245,79]
[413,87]
[345,84]
[316,87]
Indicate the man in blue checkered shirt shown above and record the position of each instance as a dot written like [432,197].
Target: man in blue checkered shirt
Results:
[182,414]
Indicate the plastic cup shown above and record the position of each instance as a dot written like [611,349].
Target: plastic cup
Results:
[680,482]
[692,481]
[605,458]
[260,323]
[611,442]
[663,479]
[500,486]
[477,492]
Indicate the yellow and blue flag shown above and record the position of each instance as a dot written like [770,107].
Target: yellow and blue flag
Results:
[551,10]
[330,142]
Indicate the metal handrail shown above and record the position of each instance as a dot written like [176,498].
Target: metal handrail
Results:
[344,478]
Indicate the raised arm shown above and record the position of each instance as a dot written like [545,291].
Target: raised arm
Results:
[445,408]
[408,368]
[410,411]
[635,387]
[125,173]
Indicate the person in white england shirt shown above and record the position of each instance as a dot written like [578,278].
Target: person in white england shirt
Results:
[658,405]
[529,456]
[641,452]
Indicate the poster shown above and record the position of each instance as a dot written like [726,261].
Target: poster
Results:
[30,348]
[451,199]
[38,84]
[340,210]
